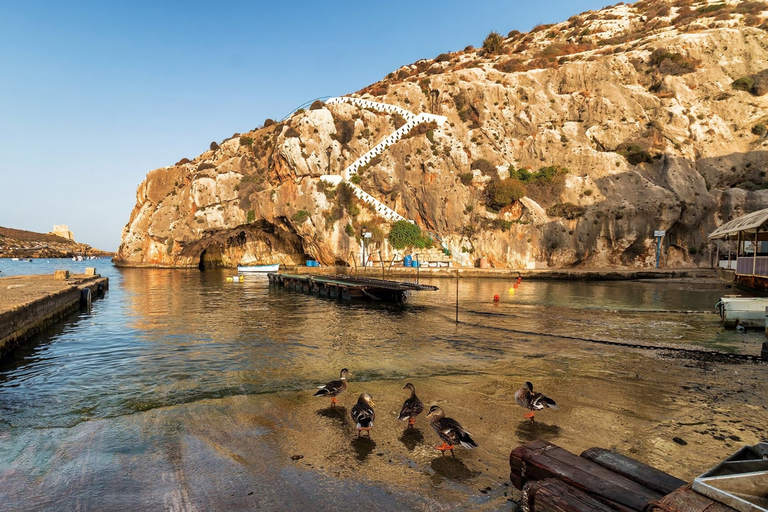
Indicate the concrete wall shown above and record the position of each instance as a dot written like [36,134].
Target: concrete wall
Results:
[25,320]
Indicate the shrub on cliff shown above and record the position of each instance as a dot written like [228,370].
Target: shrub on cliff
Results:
[300,216]
[484,166]
[759,129]
[669,63]
[246,141]
[269,122]
[214,146]
[466,178]
[345,130]
[511,66]
[493,42]
[634,153]
[568,210]
[756,84]
[182,161]
[316,105]
[406,234]
[502,193]
[744,83]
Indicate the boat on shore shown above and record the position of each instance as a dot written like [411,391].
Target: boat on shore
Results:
[742,311]
[247,269]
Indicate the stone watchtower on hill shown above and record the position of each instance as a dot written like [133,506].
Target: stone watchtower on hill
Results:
[63,231]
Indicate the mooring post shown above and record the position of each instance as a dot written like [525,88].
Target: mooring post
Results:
[457,294]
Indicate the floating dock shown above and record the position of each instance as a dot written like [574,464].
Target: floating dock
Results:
[346,287]
[29,304]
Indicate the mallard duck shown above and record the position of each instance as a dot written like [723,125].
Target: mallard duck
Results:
[412,407]
[449,430]
[335,387]
[527,399]
[362,413]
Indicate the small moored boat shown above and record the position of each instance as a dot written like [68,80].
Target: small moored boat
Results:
[742,311]
[258,268]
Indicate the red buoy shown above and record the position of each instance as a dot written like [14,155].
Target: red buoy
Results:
[496,298]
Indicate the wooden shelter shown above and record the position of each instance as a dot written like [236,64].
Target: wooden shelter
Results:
[750,233]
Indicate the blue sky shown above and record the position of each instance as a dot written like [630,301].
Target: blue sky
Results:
[93,95]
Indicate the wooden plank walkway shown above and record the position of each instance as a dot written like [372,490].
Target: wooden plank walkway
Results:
[346,287]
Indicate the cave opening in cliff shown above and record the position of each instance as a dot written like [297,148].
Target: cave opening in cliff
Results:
[210,258]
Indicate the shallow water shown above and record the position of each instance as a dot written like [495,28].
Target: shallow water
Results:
[170,357]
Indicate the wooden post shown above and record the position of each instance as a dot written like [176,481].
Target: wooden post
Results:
[717,255]
[754,257]
[457,294]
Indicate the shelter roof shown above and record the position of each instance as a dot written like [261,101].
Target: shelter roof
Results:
[749,223]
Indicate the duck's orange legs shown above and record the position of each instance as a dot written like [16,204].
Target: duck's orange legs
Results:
[530,415]
[367,429]
[443,447]
[333,401]
[411,421]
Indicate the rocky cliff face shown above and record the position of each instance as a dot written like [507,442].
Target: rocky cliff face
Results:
[615,123]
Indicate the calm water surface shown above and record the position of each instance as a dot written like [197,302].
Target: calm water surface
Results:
[167,337]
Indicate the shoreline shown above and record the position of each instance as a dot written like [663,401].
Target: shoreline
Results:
[576,274]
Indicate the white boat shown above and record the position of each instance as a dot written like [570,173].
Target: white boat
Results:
[258,268]
[743,311]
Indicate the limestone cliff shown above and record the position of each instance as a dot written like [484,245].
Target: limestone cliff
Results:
[615,123]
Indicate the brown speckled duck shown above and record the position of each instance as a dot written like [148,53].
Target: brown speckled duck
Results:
[335,387]
[412,407]
[527,399]
[449,430]
[362,413]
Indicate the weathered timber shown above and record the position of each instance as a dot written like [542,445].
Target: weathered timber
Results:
[552,495]
[686,499]
[540,460]
[654,479]
[346,287]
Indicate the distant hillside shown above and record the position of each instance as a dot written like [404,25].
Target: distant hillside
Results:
[17,243]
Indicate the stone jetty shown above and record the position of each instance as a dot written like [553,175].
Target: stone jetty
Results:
[28,304]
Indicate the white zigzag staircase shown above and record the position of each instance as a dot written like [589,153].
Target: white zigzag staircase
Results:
[412,120]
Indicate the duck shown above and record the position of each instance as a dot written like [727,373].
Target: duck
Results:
[362,413]
[449,431]
[335,387]
[527,399]
[412,407]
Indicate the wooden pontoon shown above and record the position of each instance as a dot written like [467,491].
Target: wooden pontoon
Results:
[346,287]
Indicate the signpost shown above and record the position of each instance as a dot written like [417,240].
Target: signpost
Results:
[659,235]
[366,235]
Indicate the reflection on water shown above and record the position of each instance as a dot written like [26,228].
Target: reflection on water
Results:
[164,337]
[206,387]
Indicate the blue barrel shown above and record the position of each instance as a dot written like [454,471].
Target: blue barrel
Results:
[415,263]
[407,260]
[310,263]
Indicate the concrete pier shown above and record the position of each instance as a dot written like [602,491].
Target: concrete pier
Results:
[29,304]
